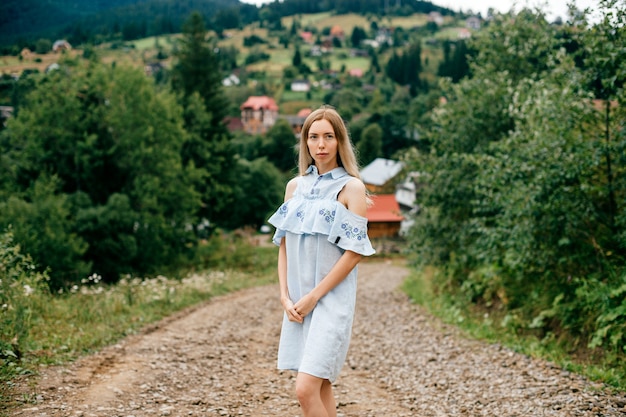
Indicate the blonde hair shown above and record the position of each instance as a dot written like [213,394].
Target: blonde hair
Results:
[346,156]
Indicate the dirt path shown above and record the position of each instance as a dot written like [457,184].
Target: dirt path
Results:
[219,360]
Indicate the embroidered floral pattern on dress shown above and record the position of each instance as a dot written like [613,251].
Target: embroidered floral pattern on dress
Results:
[353,232]
[283,210]
[300,215]
[328,215]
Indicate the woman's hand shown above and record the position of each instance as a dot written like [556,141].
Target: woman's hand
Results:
[305,305]
[290,310]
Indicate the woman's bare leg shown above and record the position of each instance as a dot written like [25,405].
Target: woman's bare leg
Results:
[309,393]
[328,398]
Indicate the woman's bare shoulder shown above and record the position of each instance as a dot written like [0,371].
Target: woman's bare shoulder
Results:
[291,188]
[354,196]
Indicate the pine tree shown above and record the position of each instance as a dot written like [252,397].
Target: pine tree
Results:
[198,77]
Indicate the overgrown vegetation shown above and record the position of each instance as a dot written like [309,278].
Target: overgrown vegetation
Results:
[523,211]
[40,327]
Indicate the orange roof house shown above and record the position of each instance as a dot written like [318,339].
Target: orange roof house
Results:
[337,32]
[258,114]
[383,216]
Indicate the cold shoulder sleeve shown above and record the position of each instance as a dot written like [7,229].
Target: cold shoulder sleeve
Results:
[331,218]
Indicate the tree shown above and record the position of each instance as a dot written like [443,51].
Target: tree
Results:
[371,143]
[280,146]
[358,35]
[259,192]
[515,202]
[197,76]
[296,61]
[100,169]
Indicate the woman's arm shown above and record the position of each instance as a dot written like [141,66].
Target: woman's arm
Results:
[285,299]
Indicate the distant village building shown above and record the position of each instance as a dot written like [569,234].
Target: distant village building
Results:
[301,86]
[153,68]
[296,121]
[337,32]
[435,17]
[307,37]
[356,72]
[259,114]
[473,22]
[464,33]
[378,176]
[52,67]
[26,53]
[384,218]
[231,80]
[61,45]
[384,36]
[5,113]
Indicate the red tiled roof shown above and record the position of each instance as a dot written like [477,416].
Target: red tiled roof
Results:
[304,112]
[385,208]
[356,72]
[260,102]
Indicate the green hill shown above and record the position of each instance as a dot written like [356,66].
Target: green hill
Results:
[24,21]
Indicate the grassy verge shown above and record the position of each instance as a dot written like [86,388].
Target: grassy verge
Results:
[58,328]
[597,365]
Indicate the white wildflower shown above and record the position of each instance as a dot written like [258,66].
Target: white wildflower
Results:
[28,290]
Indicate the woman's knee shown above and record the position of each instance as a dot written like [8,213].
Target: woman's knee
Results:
[308,388]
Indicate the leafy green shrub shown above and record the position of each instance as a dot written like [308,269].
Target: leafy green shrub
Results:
[21,289]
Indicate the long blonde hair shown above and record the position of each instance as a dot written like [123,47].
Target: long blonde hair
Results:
[346,156]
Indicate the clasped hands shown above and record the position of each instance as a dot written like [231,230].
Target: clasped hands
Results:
[297,311]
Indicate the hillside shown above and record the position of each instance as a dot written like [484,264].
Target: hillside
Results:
[27,20]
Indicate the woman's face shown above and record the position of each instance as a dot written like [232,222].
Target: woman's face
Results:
[322,144]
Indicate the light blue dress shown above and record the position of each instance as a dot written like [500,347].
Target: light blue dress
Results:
[318,229]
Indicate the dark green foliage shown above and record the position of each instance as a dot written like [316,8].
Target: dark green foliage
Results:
[91,21]
[405,68]
[96,172]
[455,62]
[279,146]
[371,143]
[252,40]
[259,191]
[197,75]
[524,178]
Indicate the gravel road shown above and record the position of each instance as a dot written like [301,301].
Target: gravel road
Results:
[219,360]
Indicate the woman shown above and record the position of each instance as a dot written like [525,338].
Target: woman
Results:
[321,231]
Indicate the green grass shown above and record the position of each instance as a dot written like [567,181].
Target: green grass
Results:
[596,365]
[63,327]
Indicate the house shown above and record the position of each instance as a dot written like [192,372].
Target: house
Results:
[233,124]
[378,176]
[464,33]
[337,32]
[384,218]
[231,80]
[258,114]
[5,113]
[296,121]
[52,67]
[26,53]
[473,22]
[301,86]
[356,72]
[436,17]
[307,37]
[153,67]
[61,45]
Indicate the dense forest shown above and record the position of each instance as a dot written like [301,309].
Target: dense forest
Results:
[23,22]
